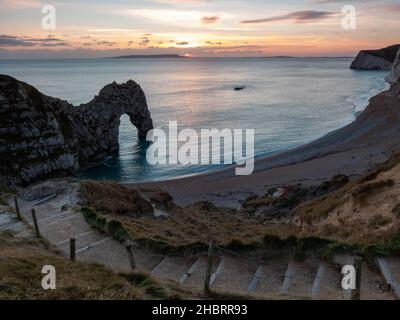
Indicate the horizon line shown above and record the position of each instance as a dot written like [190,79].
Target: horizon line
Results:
[184,57]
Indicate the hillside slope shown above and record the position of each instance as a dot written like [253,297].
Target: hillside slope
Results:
[365,211]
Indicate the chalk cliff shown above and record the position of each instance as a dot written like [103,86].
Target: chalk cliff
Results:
[42,137]
[381,59]
[394,77]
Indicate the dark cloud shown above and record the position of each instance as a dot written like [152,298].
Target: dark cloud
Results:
[297,16]
[214,43]
[13,41]
[144,41]
[209,20]
[183,43]
[106,43]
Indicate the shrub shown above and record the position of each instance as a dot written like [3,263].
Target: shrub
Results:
[112,227]
[117,231]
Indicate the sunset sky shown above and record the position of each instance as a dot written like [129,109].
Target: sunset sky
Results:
[211,28]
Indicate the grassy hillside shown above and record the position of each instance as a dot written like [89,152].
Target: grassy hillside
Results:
[167,227]
[364,212]
[21,262]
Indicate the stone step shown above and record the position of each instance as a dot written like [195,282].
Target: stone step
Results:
[327,283]
[255,280]
[299,278]
[82,240]
[6,220]
[189,272]
[9,222]
[110,253]
[390,270]
[198,276]
[340,261]
[65,228]
[233,274]
[146,261]
[272,276]
[173,267]
[48,209]
[373,285]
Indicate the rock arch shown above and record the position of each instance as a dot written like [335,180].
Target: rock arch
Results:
[97,122]
[42,137]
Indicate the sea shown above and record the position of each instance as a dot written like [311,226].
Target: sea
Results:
[287,101]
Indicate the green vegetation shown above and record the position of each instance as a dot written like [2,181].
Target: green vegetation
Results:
[386,247]
[302,247]
[112,227]
[117,230]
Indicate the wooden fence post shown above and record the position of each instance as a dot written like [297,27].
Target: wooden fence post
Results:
[35,223]
[17,208]
[72,249]
[131,257]
[356,294]
[210,259]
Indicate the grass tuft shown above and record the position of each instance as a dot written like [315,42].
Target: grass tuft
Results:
[112,227]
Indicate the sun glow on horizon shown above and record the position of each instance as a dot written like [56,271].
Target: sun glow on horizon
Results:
[209,28]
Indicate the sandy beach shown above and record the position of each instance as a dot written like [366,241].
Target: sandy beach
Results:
[370,140]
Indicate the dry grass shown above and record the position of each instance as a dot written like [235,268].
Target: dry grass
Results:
[193,227]
[362,212]
[179,228]
[109,197]
[21,263]
[379,221]
[364,190]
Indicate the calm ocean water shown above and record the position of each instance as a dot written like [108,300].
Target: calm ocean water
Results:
[288,101]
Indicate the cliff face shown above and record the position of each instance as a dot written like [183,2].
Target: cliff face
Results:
[394,77]
[375,59]
[41,136]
